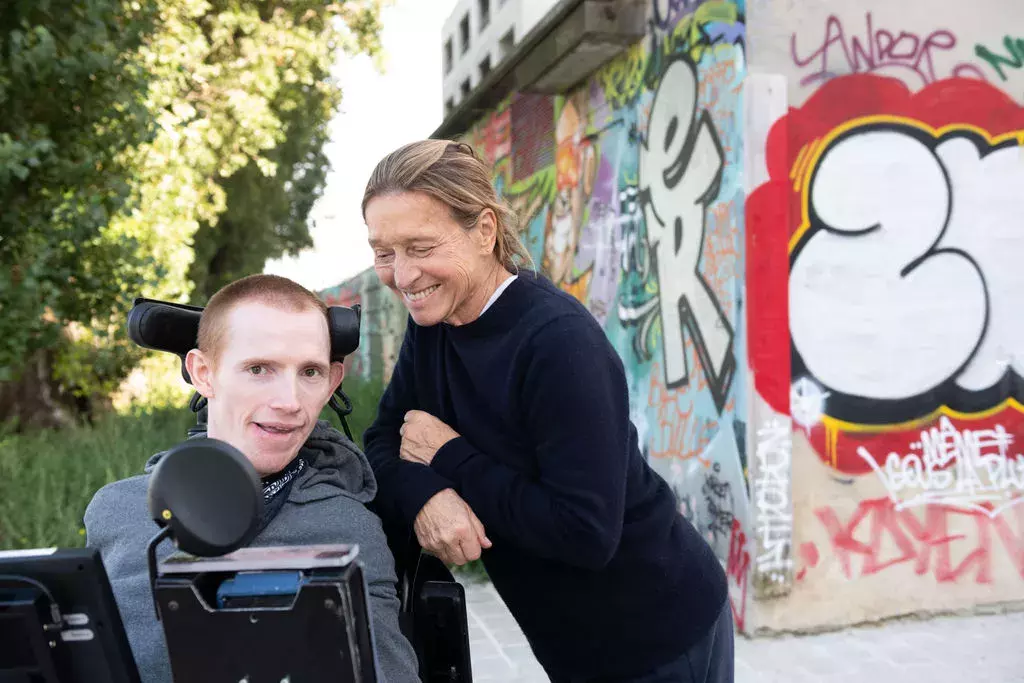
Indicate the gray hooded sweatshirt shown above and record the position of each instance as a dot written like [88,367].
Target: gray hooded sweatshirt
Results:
[326,504]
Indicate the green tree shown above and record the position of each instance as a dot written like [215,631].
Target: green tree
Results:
[268,204]
[71,102]
[130,144]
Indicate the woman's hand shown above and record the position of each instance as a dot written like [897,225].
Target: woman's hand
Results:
[422,436]
[447,528]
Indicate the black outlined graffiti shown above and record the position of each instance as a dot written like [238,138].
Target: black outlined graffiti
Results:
[680,172]
[905,291]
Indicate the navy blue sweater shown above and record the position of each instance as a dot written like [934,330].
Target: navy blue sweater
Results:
[590,554]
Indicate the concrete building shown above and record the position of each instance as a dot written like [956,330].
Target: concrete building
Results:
[799,225]
[477,36]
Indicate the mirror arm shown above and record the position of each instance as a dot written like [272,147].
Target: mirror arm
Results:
[165,532]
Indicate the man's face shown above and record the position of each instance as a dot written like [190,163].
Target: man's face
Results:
[269,381]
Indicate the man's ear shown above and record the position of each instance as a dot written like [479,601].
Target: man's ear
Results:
[487,231]
[200,370]
[337,374]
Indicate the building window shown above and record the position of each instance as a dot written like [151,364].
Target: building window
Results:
[464,88]
[485,67]
[464,33]
[485,13]
[449,106]
[448,57]
[507,43]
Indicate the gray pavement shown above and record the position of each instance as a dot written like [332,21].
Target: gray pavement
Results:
[972,649]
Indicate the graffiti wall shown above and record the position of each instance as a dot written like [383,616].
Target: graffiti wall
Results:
[382,324]
[886,209]
[808,263]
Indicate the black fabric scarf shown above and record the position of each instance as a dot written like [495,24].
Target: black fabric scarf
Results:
[276,488]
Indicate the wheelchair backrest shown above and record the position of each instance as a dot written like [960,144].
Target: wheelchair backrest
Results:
[174,328]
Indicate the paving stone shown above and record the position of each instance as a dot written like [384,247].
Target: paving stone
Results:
[964,649]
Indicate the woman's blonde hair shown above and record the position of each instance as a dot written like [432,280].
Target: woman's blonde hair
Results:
[453,174]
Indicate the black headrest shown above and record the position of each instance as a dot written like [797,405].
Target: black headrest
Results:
[164,326]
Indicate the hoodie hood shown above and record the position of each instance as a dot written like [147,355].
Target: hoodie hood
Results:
[334,467]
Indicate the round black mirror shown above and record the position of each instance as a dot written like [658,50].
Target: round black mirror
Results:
[208,494]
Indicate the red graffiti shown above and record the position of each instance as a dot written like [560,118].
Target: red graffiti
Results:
[737,569]
[809,559]
[902,53]
[881,537]
[768,295]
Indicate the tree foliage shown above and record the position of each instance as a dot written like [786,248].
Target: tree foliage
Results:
[72,100]
[131,131]
[269,199]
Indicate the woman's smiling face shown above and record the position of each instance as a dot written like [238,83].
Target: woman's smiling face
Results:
[422,253]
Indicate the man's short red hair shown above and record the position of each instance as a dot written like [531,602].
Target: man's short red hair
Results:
[272,290]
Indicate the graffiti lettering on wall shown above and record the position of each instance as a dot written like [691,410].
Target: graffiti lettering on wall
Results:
[948,543]
[1013,58]
[681,163]
[900,53]
[973,469]
[718,498]
[666,13]
[712,25]
[904,214]
[939,230]
[773,507]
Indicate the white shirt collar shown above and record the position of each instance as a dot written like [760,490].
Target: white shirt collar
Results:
[501,288]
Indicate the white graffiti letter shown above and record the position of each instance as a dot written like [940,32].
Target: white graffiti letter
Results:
[987,223]
[877,310]
[773,508]
[681,164]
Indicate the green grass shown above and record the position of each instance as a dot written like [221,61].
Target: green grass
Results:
[48,477]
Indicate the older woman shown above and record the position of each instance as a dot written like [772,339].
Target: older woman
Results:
[504,433]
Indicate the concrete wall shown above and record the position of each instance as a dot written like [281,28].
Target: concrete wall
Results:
[886,179]
[807,261]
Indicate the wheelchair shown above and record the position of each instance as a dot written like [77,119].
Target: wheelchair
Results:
[433,610]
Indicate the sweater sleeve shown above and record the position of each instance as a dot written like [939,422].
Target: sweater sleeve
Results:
[575,406]
[402,487]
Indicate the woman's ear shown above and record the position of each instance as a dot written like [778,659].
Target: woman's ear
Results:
[200,371]
[486,231]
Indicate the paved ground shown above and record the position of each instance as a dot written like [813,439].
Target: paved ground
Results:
[983,649]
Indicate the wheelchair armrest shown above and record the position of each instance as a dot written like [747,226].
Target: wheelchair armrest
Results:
[441,624]
[433,611]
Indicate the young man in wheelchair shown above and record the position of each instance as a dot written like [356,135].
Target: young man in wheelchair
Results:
[263,363]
